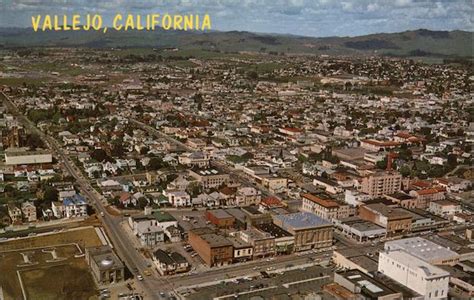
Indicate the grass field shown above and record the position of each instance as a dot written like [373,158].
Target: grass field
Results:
[66,277]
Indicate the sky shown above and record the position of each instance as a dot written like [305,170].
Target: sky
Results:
[299,17]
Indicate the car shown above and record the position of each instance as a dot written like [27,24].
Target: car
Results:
[140,277]
[102,214]
[270,268]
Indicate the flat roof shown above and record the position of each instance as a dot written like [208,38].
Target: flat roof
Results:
[369,285]
[302,220]
[215,240]
[422,248]
[415,263]
[273,230]
[220,214]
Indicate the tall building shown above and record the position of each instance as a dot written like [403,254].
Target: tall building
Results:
[382,183]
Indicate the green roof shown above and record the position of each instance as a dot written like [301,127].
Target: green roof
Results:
[163,216]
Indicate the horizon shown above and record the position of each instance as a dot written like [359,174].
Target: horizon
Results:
[320,18]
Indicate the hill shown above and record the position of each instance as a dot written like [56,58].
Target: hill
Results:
[420,42]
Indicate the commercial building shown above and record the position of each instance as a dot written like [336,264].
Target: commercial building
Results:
[424,249]
[170,263]
[105,264]
[359,229]
[243,251]
[263,243]
[425,279]
[309,230]
[326,208]
[284,241]
[220,218]
[444,208]
[214,249]
[23,156]
[367,287]
[382,183]
[209,178]
[395,220]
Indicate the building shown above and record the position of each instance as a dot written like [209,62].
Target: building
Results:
[356,259]
[284,241]
[416,274]
[404,200]
[209,178]
[170,263]
[359,229]
[75,206]
[195,159]
[263,243]
[445,208]
[424,249]
[323,207]
[367,287]
[150,233]
[24,156]
[220,218]
[29,211]
[425,196]
[178,198]
[15,213]
[243,251]
[309,230]
[247,196]
[105,265]
[214,249]
[382,183]
[395,220]
[159,222]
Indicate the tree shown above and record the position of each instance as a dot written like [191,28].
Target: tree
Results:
[50,194]
[34,141]
[99,155]
[142,202]
[405,171]
[155,163]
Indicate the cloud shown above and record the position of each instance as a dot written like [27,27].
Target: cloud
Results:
[305,17]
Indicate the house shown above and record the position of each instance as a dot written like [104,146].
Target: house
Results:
[150,233]
[178,198]
[246,196]
[75,206]
[15,213]
[29,211]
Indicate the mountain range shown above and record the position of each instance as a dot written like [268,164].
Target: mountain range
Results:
[422,42]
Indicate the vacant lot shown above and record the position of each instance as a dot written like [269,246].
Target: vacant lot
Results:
[30,262]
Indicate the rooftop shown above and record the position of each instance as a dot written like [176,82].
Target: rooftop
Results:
[301,220]
[415,263]
[422,248]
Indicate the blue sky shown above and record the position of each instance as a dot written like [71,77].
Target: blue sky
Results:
[299,17]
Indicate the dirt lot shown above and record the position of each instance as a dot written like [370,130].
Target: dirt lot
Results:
[45,276]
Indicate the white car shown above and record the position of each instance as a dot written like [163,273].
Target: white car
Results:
[140,277]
